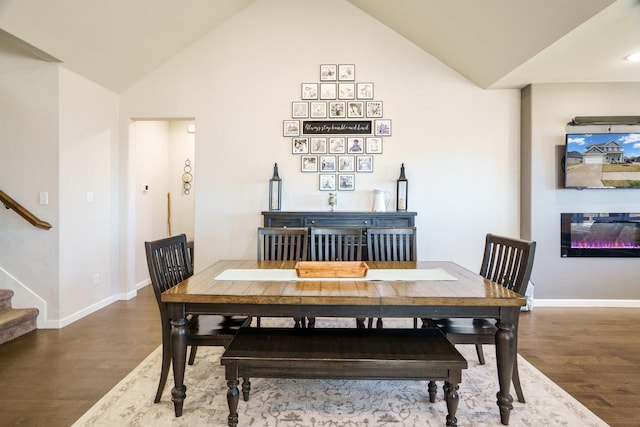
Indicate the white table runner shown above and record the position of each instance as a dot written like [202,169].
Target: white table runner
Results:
[253,274]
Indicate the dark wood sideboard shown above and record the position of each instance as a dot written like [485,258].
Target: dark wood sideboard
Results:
[340,219]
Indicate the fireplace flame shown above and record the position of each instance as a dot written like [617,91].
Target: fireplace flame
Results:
[592,244]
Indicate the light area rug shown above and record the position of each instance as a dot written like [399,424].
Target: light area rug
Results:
[332,403]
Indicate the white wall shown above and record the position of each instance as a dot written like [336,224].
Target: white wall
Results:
[547,110]
[460,144]
[88,173]
[151,149]
[181,148]
[59,136]
[29,165]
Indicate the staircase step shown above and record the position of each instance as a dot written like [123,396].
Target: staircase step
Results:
[16,322]
[5,299]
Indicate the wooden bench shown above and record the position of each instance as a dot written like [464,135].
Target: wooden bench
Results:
[333,353]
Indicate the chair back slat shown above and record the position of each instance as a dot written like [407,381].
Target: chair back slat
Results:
[391,243]
[282,244]
[336,244]
[508,262]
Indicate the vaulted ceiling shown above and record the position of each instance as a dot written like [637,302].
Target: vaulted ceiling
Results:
[494,43]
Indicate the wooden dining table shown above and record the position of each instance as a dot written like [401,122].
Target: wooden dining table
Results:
[423,289]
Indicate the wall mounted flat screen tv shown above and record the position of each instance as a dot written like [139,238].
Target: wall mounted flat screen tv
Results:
[602,160]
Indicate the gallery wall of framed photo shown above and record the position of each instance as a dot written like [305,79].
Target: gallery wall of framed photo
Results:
[337,127]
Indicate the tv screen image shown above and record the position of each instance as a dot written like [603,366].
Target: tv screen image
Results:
[602,160]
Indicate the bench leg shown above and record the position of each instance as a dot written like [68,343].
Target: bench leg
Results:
[246,388]
[232,399]
[433,390]
[451,396]
[311,322]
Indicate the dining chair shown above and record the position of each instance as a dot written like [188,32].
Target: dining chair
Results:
[508,262]
[169,264]
[283,244]
[391,244]
[335,244]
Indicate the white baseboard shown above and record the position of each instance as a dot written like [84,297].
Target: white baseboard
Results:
[61,323]
[142,284]
[57,324]
[634,303]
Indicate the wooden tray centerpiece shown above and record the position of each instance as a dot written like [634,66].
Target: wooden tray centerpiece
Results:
[330,269]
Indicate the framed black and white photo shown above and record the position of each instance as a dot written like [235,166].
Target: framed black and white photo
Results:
[318,109]
[337,145]
[309,163]
[300,145]
[373,145]
[327,91]
[328,72]
[364,91]
[346,164]
[327,182]
[309,90]
[299,110]
[291,127]
[337,109]
[364,163]
[346,90]
[355,109]
[327,163]
[374,109]
[346,72]
[318,145]
[382,127]
[355,145]
[346,182]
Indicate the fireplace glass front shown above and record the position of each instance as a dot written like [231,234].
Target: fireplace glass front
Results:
[600,234]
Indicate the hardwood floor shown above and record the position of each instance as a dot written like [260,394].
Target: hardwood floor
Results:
[51,377]
[592,353]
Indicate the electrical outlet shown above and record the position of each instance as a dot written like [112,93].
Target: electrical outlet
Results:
[96,279]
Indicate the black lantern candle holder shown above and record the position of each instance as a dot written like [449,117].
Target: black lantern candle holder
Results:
[402,191]
[275,190]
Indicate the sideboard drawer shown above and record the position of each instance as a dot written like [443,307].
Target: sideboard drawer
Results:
[338,222]
[394,222]
[284,222]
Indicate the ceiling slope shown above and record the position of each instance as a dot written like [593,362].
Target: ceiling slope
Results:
[493,43]
[483,40]
[114,42]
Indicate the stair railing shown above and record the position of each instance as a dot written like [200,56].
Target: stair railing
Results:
[9,203]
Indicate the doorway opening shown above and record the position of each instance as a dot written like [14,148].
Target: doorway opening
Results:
[163,170]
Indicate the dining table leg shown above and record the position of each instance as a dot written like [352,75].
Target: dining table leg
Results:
[179,331]
[505,356]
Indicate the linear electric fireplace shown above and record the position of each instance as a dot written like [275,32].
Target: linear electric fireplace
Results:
[600,234]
